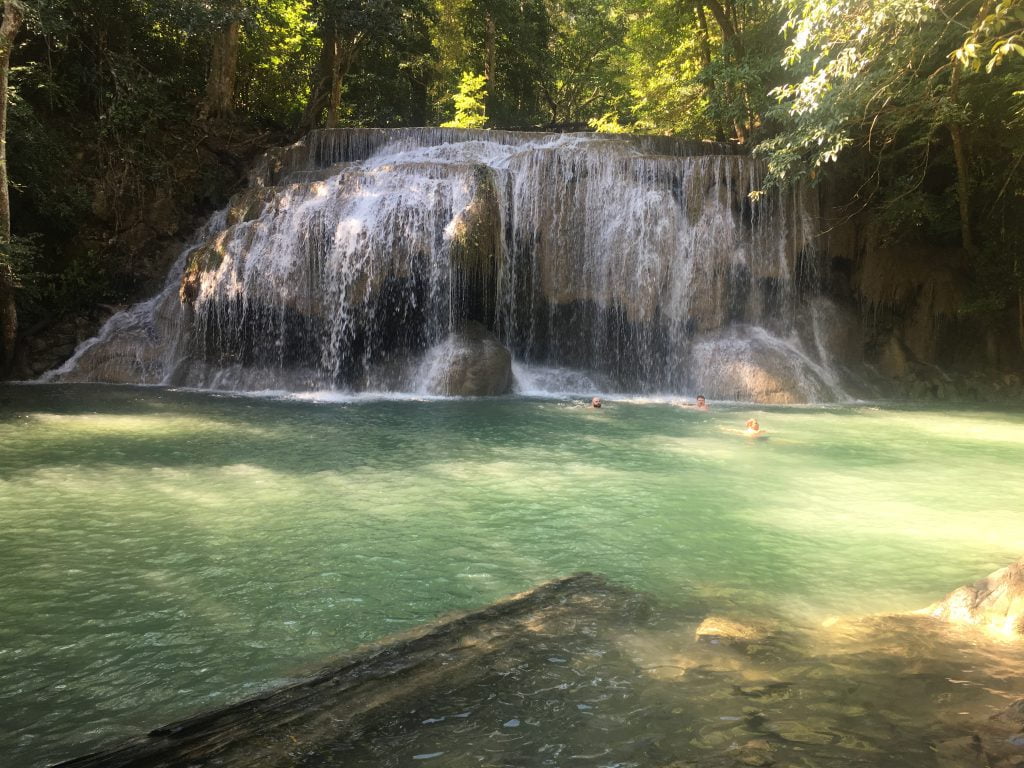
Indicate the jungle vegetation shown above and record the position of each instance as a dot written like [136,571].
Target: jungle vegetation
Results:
[918,105]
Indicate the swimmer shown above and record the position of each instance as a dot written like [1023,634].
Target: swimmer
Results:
[753,429]
[700,405]
[595,402]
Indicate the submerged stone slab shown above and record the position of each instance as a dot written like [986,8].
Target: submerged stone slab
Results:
[315,721]
[578,672]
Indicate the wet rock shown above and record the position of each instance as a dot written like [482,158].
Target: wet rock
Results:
[752,365]
[756,753]
[997,742]
[995,604]
[771,690]
[720,630]
[471,362]
[892,359]
[920,390]
[964,752]
[1013,714]
[804,732]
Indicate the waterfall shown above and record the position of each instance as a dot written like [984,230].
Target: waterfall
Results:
[642,264]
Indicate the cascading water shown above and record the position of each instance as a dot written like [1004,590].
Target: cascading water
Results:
[637,263]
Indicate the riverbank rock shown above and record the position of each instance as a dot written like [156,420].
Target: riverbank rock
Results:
[995,604]
[470,362]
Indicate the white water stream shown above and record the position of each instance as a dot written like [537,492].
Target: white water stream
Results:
[644,264]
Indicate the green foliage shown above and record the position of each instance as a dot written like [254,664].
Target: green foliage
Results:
[585,51]
[470,106]
[994,36]
[682,69]
[18,257]
[662,64]
[509,35]
[276,60]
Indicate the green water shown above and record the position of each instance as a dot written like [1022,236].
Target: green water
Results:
[163,552]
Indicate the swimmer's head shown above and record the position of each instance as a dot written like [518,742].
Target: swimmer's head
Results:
[596,402]
[752,424]
[701,401]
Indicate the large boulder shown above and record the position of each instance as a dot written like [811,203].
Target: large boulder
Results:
[470,362]
[995,604]
[751,364]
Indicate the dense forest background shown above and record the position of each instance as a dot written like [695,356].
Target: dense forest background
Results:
[127,120]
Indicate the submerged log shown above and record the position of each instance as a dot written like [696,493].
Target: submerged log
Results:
[342,703]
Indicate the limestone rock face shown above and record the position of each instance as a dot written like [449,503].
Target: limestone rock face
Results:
[995,604]
[470,362]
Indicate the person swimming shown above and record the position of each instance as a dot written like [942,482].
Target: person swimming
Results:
[700,405]
[753,429]
[595,402]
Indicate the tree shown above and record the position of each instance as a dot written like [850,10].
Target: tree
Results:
[13,15]
[220,84]
[470,103]
[879,76]
[278,49]
[917,102]
[345,27]
[584,84]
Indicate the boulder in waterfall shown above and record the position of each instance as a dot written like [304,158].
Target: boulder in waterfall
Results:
[752,364]
[995,604]
[470,362]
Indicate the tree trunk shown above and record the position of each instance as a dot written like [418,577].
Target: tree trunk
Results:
[956,134]
[320,82]
[338,72]
[343,56]
[705,57]
[334,102]
[12,18]
[729,35]
[490,63]
[220,86]
[962,186]
[1020,317]
[963,190]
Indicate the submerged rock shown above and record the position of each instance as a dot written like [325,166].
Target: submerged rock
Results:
[378,696]
[716,629]
[998,742]
[995,604]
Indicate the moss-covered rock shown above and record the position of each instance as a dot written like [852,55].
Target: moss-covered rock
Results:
[476,231]
[205,258]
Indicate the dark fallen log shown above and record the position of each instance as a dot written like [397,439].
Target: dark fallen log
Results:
[340,704]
